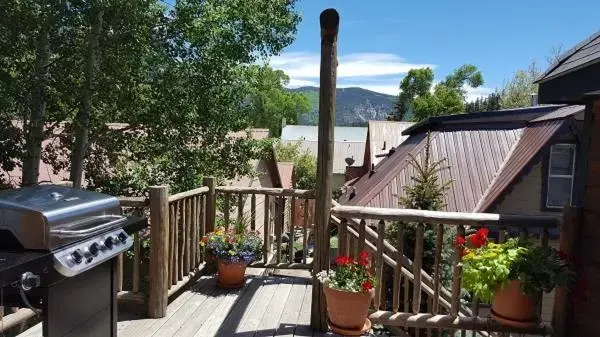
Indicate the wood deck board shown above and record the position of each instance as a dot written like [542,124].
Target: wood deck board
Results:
[266,306]
[303,325]
[249,325]
[291,311]
[269,323]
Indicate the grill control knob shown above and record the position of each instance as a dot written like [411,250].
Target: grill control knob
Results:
[109,242]
[77,256]
[116,240]
[122,237]
[94,249]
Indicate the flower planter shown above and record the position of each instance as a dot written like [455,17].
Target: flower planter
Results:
[512,307]
[231,275]
[348,311]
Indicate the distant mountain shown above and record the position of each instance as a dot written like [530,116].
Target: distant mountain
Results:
[354,106]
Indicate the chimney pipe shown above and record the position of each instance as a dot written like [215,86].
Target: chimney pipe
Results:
[534,99]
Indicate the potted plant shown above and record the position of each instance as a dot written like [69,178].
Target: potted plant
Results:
[234,249]
[510,275]
[348,292]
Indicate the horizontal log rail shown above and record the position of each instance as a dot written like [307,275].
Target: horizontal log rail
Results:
[134,201]
[431,321]
[447,218]
[187,194]
[281,192]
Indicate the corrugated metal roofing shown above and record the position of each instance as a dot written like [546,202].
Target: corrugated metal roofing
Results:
[562,113]
[534,138]
[482,159]
[311,133]
[341,151]
[384,135]
[585,52]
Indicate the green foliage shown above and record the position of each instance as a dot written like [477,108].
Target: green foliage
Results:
[417,100]
[516,93]
[426,193]
[305,164]
[489,267]
[270,101]
[493,265]
[490,103]
[178,76]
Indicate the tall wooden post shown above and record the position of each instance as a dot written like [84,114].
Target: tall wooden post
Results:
[330,20]
[159,252]
[211,203]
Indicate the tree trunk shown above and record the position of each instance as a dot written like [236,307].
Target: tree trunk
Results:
[35,127]
[82,124]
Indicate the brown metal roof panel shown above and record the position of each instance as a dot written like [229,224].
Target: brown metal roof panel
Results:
[370,185]
[563,112]
[533,139]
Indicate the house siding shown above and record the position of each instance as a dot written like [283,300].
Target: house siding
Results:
[525,196]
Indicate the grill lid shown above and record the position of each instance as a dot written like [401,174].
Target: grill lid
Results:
[46,217]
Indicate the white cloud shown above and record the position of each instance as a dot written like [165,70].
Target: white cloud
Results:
[479,92]
[306,65]
[296,83]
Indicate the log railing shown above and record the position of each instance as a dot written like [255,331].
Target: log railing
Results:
[273,213]
[413,288]
[132,266]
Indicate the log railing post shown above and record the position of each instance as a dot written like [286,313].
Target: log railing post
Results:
[159,250]
[211,204]
[329,20]
[569,232]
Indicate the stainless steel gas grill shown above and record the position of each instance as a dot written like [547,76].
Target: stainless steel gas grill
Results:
[57,254]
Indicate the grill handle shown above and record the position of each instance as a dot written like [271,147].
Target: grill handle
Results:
[89,231]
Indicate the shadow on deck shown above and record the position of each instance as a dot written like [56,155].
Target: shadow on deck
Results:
[266,306]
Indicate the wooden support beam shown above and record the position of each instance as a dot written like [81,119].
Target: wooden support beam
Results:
[211,204]
[569,233]
[159,252]
[329,21]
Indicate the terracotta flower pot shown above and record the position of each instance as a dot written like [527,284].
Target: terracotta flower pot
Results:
[348,311]
[512,307]
[231,274]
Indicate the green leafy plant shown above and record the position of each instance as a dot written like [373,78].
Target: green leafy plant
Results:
[488,266]
[350,275]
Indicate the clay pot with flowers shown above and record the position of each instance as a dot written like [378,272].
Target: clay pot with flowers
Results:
[349,290]
[510,275]
[234,249]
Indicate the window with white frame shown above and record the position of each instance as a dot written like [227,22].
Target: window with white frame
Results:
[561,170]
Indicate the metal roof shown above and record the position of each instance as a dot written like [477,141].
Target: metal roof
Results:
[311,133]
[505,115]
[584,53]
[482,159]
[384,135]
[562,113]
[533,139]
[341,151]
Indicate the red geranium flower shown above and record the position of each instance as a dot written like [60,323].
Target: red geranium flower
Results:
[343,260]
[363,258]
[476,240]
[460,241]
[482,233]
[367,285]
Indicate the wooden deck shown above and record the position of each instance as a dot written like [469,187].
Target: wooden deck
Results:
[276,305]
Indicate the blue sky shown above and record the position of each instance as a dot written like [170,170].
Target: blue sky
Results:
[379,41]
